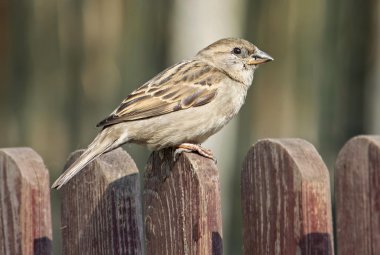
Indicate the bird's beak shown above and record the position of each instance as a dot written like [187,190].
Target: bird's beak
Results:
[259,57]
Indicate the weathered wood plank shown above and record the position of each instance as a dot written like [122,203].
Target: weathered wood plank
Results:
[182,209]
[25,218]
[357,196]
[286,199]
[101,208]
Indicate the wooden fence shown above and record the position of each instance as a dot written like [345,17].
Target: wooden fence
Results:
[285,192]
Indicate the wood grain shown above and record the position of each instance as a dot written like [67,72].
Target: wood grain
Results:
[357,196]
[101,209]
[25,219]
[286,199]
[182,210]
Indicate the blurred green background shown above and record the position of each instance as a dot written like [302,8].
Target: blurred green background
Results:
[66,64]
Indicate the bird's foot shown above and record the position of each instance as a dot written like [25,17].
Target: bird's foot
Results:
[190,147]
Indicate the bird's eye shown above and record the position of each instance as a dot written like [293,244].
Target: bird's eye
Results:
[237,50]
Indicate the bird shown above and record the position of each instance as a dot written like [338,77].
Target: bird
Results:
[181,106]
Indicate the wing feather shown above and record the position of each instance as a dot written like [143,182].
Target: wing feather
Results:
[186,84]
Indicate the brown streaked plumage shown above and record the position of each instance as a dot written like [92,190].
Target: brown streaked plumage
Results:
[182,106]
[169,92]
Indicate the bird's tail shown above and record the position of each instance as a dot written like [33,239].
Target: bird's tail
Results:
[102,143]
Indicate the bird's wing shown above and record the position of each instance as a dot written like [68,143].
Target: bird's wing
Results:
[184,85]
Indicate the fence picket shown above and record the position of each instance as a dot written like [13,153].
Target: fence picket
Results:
[101,209]
[25,219]
[357,193]
[285,199]
[182,205]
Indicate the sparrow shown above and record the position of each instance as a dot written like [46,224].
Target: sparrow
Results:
[181,106]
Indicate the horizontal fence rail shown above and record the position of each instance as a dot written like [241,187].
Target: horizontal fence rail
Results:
[285,191]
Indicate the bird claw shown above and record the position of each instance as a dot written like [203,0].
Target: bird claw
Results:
[179,151]
[189,147]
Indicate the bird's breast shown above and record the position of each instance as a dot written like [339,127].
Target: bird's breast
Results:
[230,99]
[192,125]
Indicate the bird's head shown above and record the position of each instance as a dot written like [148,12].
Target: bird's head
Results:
[237,57]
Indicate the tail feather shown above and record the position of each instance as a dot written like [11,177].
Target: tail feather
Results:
[101,144]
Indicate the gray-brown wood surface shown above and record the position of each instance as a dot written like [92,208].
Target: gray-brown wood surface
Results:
[182,210]
[286,199]
[357,196]
[101,209]
[25,218]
